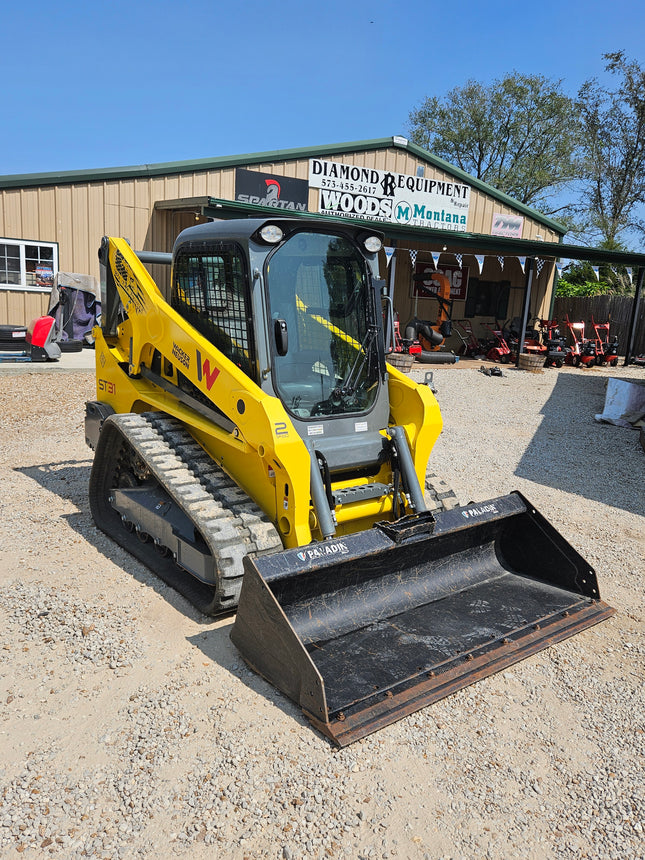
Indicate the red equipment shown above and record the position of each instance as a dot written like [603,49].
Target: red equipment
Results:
[470,345]
[606,350]
[583,350]
[427,338]
[532,344]
[556,345]
[401,345]
[34,343]
[497,349]
[432,335]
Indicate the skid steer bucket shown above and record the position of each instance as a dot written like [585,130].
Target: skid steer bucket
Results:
[363,630]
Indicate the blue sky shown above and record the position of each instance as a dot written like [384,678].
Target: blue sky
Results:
[89,85]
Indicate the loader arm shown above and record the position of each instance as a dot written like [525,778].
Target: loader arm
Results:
[249,433]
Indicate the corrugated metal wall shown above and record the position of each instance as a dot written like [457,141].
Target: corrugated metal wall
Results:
[77,215]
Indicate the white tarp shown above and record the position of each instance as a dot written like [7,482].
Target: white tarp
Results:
[624,403]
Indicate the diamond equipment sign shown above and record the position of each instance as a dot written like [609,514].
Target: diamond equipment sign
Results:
[378,195]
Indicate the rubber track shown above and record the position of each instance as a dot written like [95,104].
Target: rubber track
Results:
[438,494]
[231,524]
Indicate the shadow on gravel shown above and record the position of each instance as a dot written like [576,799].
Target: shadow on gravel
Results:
[571,451]
[69,480]
[217,647]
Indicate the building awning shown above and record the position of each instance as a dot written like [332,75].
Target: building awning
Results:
[447,241]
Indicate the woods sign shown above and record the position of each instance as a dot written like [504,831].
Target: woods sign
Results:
[378,195]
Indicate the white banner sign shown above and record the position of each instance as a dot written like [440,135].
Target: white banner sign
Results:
[507,225]
[378,195]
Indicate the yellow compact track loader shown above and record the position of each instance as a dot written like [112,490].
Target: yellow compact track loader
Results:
[254,447]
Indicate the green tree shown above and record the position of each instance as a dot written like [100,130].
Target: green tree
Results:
[520,135]
[579,279]
[613,123]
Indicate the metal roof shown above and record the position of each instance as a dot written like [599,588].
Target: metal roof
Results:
[27,180]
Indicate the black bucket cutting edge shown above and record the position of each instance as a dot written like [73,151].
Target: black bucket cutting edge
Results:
[363,630]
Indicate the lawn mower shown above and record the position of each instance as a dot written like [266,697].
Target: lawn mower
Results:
[532,343]
[606,350]
[583,350]
[29,343]
[556,345]
[471,346]
[497,349]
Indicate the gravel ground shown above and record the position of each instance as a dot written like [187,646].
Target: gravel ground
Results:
[130,727]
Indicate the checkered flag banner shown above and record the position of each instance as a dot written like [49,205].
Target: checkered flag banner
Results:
[413,257]
[538,267]
[500,260]
[459,258]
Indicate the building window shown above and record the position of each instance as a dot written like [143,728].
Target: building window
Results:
[28,266]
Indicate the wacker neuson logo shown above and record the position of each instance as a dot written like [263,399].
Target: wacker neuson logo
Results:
[477,512]
[323,550]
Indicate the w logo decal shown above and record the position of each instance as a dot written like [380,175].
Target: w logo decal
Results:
[204,371]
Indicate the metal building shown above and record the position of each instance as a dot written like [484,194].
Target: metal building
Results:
[433,215]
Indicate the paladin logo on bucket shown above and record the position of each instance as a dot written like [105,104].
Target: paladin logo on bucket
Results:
[322,550]
[478,512]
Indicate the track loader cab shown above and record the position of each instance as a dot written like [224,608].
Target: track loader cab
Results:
[296,305]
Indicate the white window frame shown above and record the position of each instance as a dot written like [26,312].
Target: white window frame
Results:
[23,287]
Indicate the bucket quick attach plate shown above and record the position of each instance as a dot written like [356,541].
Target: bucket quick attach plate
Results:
[363,630]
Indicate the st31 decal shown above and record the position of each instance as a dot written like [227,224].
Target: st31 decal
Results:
[107,386]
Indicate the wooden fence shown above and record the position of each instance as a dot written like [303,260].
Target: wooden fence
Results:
[616,310]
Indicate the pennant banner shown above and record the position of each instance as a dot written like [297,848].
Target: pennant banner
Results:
[435,257]
[629,271]
[596,270]
[389,253]
[480,262]
[561,265]
[522,263]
